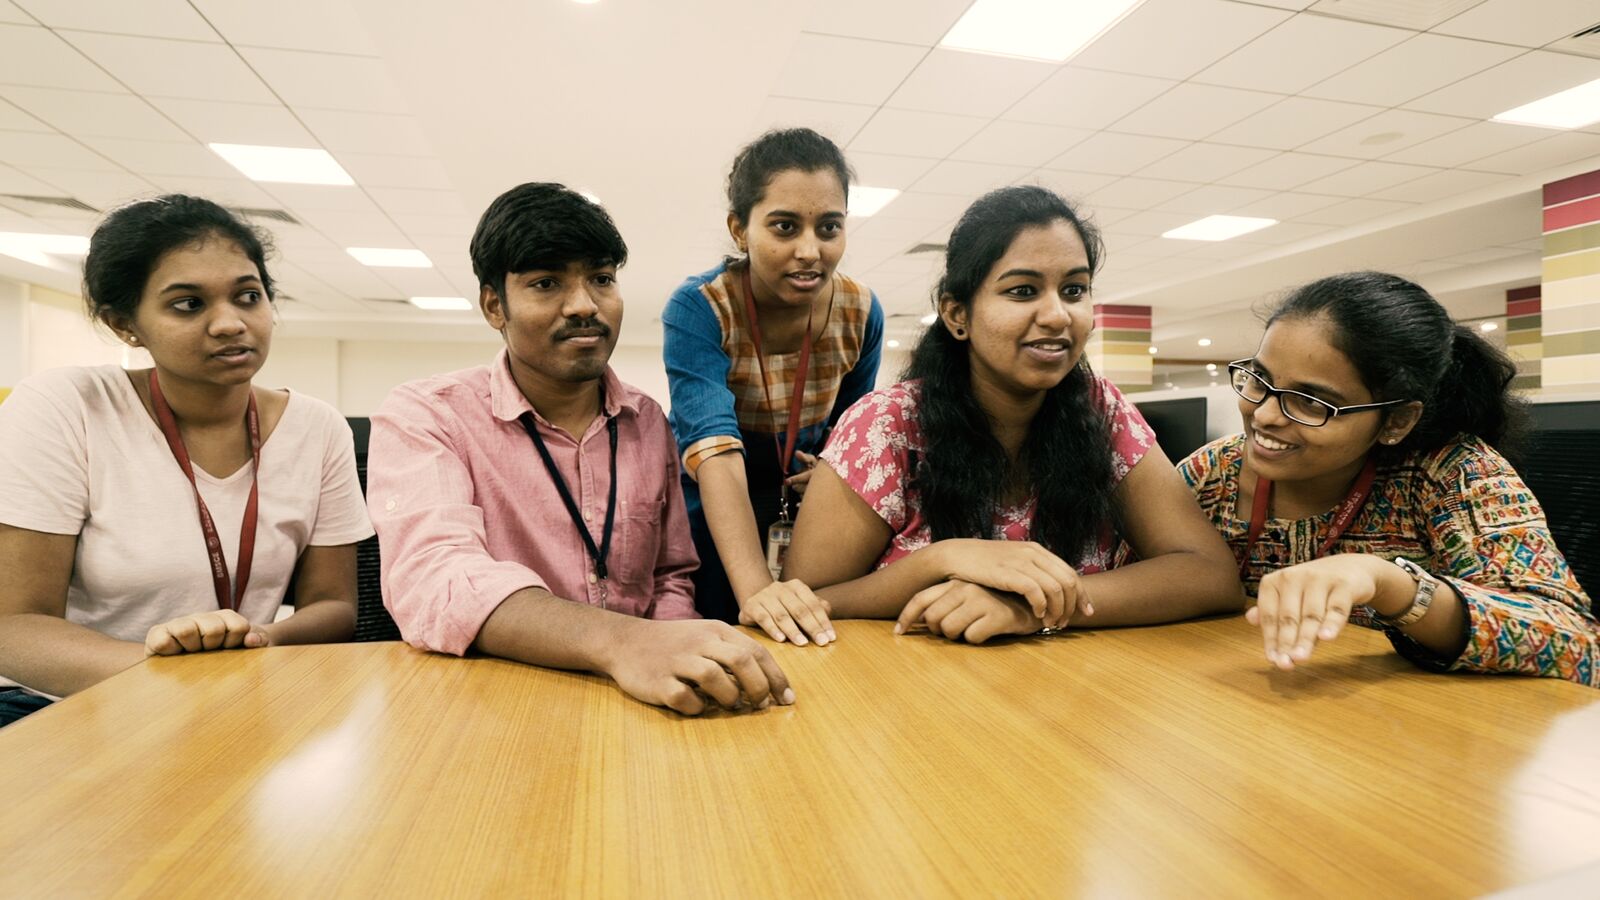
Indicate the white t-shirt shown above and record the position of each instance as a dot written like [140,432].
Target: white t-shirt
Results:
[79,454]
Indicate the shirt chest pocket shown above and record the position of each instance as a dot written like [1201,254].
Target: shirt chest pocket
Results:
[638,539]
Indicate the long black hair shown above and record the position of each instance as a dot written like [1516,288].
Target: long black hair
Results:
[1066,457]
[1405,346]
[130,242]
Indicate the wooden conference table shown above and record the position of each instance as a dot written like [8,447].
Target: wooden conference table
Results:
[1144,762]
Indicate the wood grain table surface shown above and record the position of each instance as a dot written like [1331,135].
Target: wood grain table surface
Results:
[1147,762]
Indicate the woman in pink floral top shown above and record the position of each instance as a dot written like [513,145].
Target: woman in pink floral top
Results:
[985,494]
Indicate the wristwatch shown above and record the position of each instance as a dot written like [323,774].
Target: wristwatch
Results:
[1426,585]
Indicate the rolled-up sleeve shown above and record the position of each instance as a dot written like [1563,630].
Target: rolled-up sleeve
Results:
[439,581]
[703,417]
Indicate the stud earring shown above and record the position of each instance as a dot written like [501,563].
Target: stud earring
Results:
[961,332]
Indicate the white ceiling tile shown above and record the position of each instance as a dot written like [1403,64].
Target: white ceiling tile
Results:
[1288,232]
[886,171]
[1470,143]
[968,84]
[1219,250]
[351,132]
[328,81]
[308,198]
[1516,22]
[1440,185]
[1115,154]
[14,119]
[1213,199]
[1285,4]
[1019,143]
[90,113]
[402,200]
[163,157]
[1404,72]
[1366,178]
[24,149]
[1301,52]
[1490,254]
[856,71]
[13,181]
[149,18]
[236,191]
[10,12]
[1177,38]
[161,68]
[350,279]
[290,24]
[1353,212]
[36,56]
[1072,185]
[1288,170]
[97,188]
[1511,84]
[1086,98]
[1286,205]
[1138,193]
[237,123]
[354,229]
[1292,122]
[967,179]
[907,133]
[1205,163]
[1106,216]
[904,21]
[1151,223]
[417,282]
[888,228]
[1546,154]
[837,121]
[1194,111]
[1386,133]
[375,170]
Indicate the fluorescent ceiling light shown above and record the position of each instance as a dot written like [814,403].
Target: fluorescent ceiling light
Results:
[1153,351]
[286,165]
[1204,342]
[38,248]
[893,344]
[1050,30]
[1572,108]
[1218,228]
[389,258]
[1488,326]
[930,318]
[866,201]
[441,303]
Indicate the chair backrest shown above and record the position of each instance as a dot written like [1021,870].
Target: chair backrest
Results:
[373,622]
[1561,465]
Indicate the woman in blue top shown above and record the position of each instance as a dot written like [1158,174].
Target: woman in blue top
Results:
[764,352]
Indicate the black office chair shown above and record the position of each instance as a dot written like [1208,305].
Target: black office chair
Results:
[373,622]
[1561,465]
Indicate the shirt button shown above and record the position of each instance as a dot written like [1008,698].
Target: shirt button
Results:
[593,578]
[389,507]
[586,515]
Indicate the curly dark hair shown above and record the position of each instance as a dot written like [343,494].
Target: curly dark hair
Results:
[1066,458]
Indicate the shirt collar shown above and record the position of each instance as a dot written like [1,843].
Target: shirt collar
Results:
[508,404]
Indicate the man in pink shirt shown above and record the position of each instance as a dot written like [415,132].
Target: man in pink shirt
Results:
[531,509]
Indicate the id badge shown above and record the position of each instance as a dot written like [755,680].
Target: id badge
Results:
[779,534]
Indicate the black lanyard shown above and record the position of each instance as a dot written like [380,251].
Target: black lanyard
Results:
[598,554]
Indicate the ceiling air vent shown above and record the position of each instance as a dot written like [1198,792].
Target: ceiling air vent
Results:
[1585,42]
[63,202]
[276,215]
[926,248]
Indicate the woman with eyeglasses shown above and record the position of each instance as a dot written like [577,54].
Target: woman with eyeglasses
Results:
[1369,487]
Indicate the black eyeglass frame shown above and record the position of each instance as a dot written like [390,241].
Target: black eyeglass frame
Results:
[1242,366]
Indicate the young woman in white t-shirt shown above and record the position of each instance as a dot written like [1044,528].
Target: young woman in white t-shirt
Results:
[111,548]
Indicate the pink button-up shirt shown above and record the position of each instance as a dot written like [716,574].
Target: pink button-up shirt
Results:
[467,514]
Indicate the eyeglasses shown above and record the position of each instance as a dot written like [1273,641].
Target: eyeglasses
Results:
[1302,408]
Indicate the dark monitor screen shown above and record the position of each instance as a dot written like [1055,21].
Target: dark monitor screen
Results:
[1179,424]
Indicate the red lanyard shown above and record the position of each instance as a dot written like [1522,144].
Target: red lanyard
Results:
[226,597]
[786,449]
[1346,512]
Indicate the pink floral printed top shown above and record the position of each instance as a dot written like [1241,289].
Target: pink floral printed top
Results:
[871,449]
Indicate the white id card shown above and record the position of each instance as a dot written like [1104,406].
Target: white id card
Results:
[779,534]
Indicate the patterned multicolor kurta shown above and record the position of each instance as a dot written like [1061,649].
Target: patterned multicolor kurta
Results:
[1463,514]
[872,446]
